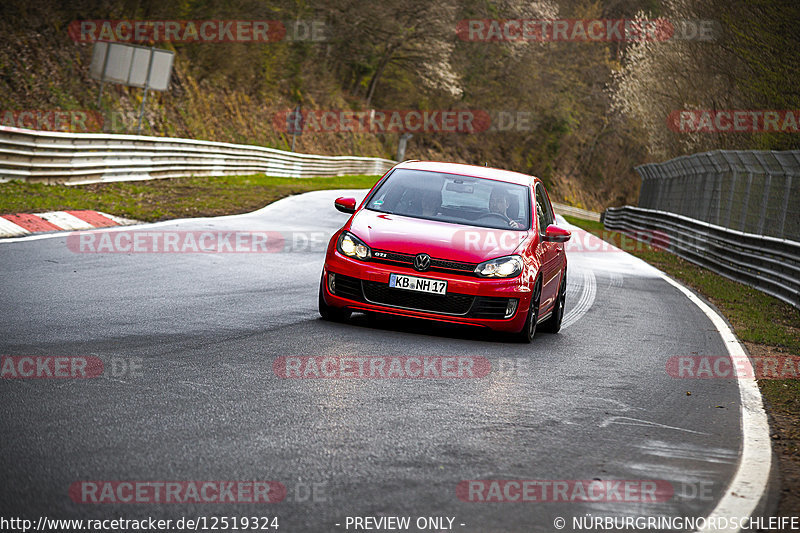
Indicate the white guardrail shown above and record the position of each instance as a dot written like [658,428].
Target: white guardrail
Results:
[76,158]
[563,209]
[768,264]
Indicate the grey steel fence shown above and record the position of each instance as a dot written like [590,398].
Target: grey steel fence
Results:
[756,192]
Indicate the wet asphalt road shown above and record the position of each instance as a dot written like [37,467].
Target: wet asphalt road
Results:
[202,401]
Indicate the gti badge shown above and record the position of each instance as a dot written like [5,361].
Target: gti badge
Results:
[422,262]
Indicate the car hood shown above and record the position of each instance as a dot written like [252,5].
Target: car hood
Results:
[396,233]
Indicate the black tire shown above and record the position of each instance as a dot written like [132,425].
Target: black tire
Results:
[327,312]
[553,324]
[528,331]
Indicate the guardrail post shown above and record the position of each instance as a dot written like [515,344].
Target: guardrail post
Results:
[716,197]
[762,216]
[746,203]
[734,177]
[786,193]
[688,195]
[706,186]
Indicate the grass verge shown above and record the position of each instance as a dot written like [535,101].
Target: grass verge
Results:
[168,198]
[766,325]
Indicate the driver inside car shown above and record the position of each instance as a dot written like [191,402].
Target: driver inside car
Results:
[431,202]
[498,204]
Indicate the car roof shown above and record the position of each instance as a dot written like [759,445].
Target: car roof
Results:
[469,170]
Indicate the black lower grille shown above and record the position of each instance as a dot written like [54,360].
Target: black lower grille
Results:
[488,307]
[347,287]
[453,304]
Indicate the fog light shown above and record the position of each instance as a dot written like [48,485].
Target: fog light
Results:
[511,307]
[331,282]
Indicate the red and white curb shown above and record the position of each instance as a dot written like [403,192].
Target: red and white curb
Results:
[22,224]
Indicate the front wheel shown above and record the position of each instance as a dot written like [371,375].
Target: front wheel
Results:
[528,331]
[334,314]
[553,324]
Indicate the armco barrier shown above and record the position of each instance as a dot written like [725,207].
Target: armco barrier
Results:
[768,264]
[74,158]
[563,209]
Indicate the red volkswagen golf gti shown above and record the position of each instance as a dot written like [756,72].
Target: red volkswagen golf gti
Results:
[453,243]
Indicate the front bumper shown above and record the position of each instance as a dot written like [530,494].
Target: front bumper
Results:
[364,286]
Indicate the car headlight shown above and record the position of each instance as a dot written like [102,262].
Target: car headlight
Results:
[352,246]
[502,267]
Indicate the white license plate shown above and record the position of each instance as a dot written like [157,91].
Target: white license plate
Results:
[413,283]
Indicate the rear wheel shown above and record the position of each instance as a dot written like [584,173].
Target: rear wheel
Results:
[334,314]
[529,329]
[553,324]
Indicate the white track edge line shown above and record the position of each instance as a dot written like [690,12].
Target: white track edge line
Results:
[749,483]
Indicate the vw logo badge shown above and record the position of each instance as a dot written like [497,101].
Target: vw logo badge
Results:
[422,262]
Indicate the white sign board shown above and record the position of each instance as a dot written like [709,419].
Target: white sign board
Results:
[129,64]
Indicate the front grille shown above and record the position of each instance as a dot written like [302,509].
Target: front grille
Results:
[437,265]
[453,265]
[395,257]
[451,304]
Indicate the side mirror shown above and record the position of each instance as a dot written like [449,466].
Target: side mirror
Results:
[555,234]
[345,205]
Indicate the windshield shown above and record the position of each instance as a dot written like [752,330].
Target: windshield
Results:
[452,198]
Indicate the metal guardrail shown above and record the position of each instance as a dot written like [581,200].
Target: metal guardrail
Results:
[563,209]
[751,191]
[75,158]
[768,264]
